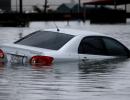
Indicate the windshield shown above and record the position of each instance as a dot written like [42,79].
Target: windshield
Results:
[45,39]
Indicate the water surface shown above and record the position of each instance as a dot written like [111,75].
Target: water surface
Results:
[99,80]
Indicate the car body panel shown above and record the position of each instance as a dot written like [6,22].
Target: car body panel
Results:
[91,57]
[75,32]
[67,53]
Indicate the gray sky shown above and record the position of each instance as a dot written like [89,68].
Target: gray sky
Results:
[41,2]
[29,3]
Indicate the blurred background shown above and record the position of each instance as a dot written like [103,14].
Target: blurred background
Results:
[21,12]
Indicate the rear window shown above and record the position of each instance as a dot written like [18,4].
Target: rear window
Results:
[45,39]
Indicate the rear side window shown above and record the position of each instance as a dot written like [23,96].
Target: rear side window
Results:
[114,48]
[92,45]
[46,39]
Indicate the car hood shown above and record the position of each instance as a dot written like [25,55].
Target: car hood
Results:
[23,50]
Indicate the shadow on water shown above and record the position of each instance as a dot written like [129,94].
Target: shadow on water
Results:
[107,65]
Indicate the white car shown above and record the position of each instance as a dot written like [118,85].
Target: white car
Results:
[52,45]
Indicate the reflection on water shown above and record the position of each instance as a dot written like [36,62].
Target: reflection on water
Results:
[70,81]
[97,80]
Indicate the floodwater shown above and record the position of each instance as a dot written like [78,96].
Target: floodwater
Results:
[99,80]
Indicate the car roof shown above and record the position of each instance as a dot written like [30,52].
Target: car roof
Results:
[75,32]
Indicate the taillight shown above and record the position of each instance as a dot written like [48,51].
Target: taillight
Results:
[41,60]
[1,54]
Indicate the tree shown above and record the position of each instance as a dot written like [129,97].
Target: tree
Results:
[45,6]
[21,6]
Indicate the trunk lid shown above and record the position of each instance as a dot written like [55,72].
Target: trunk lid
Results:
[21,53]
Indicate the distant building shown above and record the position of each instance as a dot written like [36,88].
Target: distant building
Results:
[5,5]
[76,9]
[66,7]
[63,8]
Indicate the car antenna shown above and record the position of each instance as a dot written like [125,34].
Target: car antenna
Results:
[20,32]
[56,27]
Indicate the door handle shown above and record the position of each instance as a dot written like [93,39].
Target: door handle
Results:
[84,59]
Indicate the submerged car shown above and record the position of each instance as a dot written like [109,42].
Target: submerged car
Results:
[52,45]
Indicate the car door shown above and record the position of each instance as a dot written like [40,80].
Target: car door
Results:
[100,48]
[92,48]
